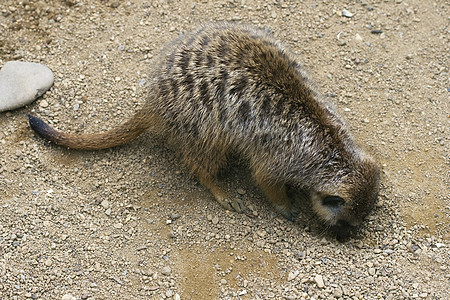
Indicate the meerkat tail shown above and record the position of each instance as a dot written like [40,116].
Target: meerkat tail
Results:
[122,134]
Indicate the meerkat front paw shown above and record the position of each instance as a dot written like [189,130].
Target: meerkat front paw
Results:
[289,213]
[231,204]
[238,205]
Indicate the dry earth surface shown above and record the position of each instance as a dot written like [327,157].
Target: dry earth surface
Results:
[131,222]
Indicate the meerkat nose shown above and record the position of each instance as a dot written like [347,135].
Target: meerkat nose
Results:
[342,230]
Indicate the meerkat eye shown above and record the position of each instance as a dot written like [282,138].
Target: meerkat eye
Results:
[333,202]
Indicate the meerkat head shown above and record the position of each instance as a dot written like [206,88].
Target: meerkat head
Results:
[347,201]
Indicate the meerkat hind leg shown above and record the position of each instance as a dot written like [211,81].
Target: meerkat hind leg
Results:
[219,194]
[276,192]
[206,169]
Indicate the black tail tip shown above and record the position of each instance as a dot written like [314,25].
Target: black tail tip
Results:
[36,124]
[40,127]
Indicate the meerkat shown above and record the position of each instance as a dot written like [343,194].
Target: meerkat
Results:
[226,88]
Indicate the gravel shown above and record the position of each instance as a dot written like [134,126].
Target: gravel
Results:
[131,222]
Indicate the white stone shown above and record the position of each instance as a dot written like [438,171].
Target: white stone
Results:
[293,275]
[166,271]
[338,292]
[23,82]
[346,13]
[105,204]
[43,104]
[68,297]
[319,281]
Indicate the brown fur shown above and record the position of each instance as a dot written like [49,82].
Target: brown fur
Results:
[226,88]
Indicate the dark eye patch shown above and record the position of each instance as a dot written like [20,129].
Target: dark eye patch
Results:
[333,201]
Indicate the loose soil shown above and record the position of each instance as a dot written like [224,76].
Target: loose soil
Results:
[107,224]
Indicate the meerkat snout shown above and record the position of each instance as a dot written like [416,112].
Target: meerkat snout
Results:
[342,230]
[336,207]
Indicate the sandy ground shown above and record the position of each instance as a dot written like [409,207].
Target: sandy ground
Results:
[131,222]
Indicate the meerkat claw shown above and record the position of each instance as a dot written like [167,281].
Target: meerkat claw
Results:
[288,213]
[238,205]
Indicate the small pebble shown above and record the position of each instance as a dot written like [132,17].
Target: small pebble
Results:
[241,191]
[142,82]
[166,270]
[68,297]
[175,216]
[293,275]
[319,281]
[43,104]
[346,13]
[105,204]
[338,292]
[261,233]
